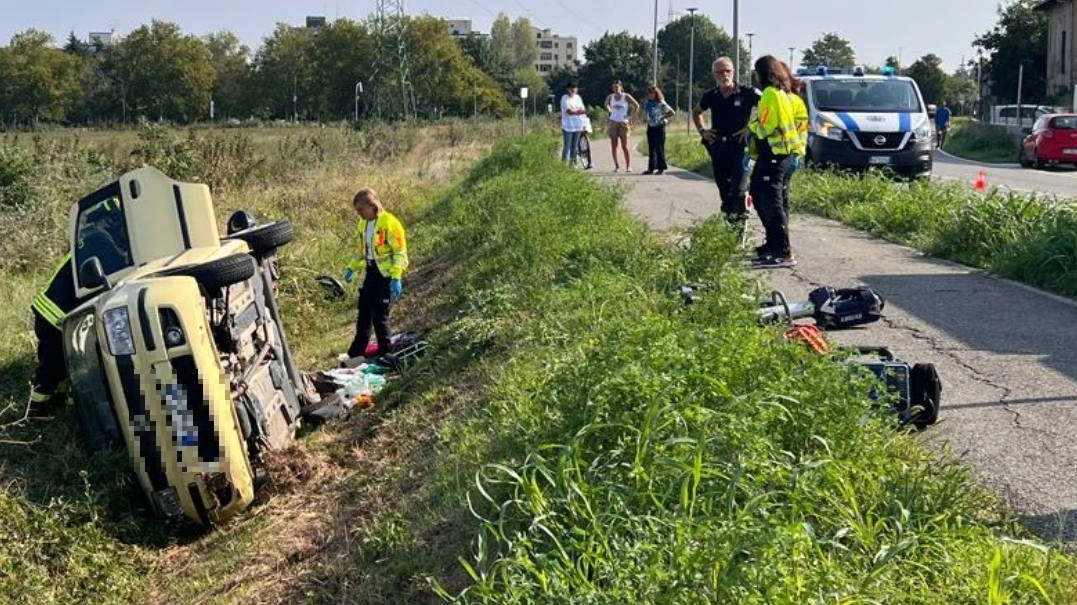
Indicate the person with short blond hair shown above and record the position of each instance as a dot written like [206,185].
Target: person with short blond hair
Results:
[382,249]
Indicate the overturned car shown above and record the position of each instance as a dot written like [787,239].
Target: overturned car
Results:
[180,354]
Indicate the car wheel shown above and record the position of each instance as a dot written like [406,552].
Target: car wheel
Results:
[925,394]
[1022,161]
[219,273]
[264,239]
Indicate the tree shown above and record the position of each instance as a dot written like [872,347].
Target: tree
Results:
[41,82]
[619,56]
[524,50]
[892,62]
[230,64]
[444,80]
[1019,37]
[340,57]
[929,76]
[831,50]
[675,42]
[500,60]
[77,47]
[166,74]
[281,76]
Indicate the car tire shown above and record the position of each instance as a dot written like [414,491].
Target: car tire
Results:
[263,240]
[1022,161]
[925,394]
[219,273]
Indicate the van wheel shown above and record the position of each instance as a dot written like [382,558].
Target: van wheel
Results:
[263,240]
[925,394]
[219,273]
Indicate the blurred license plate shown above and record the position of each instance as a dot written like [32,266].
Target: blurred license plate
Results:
[879,159]
[1070,151]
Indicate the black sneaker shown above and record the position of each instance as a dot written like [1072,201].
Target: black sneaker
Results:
[777,262]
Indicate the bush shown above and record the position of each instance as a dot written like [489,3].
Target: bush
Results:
[15,172]
[985,142]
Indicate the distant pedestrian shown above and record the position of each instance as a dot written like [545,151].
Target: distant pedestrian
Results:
[776,142]
[942,124]
[731,106]
[572,113]
[658,113]
[620,106]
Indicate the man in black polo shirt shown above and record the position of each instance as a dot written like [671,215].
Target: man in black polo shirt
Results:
[731,106]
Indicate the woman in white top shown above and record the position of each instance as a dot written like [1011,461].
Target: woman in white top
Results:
[572,113]
[620,106]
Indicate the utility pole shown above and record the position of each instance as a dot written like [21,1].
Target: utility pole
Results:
[677,85]
[691,71]
[736,37]
[791,49]
[654,48]
[358,89]
[979,85]
[1020,82]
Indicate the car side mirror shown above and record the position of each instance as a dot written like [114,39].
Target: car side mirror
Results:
[92,274]
[1026,130]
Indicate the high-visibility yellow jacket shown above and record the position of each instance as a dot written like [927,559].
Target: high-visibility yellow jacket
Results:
[800,117]
[390,246]
[775,124]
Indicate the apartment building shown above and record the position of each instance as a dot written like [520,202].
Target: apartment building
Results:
[554,51]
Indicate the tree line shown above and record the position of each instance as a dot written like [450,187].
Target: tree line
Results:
[340,71]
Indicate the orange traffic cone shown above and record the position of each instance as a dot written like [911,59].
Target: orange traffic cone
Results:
[980,184]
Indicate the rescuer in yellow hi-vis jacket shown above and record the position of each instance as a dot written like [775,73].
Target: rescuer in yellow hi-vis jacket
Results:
[777,142]
[382,248]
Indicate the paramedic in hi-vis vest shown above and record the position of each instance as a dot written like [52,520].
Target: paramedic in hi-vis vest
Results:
[777,145]
[382,249]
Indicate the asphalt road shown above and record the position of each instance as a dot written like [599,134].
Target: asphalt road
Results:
[1060,181]
[1005,352]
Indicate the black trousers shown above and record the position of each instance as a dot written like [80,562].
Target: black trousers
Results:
[727,163]
[768,190]
[51,370]
[374,303]
[656,146]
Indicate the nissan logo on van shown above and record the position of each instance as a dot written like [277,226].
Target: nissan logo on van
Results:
[879,140]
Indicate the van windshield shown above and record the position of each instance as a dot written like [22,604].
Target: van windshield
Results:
[876,96]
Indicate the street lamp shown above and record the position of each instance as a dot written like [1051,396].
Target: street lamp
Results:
[749,36]
[691,71]
[791,49]
[358,90]
[736,38]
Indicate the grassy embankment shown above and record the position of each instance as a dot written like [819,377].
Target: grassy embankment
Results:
[1025,237]
[575,436]
[981,142]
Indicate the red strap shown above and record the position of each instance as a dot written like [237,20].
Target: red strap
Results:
[810,335]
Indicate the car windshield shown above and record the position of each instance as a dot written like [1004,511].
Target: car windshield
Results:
[1065,123]
[858,94]
[102,231]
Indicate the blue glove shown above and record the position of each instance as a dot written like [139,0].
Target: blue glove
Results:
[395,288]
[348,275]
[794,164]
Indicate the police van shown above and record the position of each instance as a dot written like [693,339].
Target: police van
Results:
[859,121]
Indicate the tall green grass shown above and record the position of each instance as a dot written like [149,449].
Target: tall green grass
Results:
[982,142]
[1026,237]
[629,450]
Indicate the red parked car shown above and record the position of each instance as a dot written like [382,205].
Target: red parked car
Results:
[1051,140]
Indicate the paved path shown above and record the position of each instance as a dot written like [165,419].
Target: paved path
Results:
[1061,181]
[1007,354]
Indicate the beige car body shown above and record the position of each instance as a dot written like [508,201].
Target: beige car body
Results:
[177,400]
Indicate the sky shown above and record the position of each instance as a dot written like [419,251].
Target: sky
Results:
[876,29]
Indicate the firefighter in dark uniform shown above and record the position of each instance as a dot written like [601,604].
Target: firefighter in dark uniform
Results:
[49,307]
[731,106]
[59,298]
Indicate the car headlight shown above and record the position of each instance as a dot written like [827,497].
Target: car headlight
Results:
[118,332]
[924,132]
[830,131]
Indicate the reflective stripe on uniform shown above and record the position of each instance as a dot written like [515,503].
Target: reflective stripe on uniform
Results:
[48,310]
[38,397]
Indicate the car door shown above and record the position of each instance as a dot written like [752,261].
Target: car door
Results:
[1031,141]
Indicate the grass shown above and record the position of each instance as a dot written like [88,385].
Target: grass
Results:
[574,436]
[981,142]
